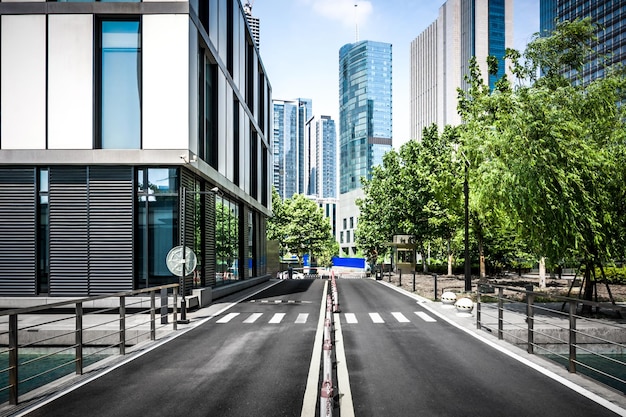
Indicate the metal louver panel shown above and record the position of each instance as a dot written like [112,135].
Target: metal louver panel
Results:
[110,229]
[210,260]
[244,268]
[17,231]
[68,231]
[187,211]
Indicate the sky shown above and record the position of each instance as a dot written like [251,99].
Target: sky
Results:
[300,41]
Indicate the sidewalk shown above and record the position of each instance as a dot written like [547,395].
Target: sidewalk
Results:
[467,323]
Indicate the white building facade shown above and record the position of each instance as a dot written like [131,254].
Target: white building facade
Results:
[107,111]
[440,57]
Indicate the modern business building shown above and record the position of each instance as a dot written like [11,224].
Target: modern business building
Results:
[115,116]
[609,15]
[321,157]
[253,22]
[440,57]
[289,144]
[365,123]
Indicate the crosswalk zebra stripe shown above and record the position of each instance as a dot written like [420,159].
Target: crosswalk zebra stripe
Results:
[227,317]
[253,317]
[350,318]
[425,317]
[400,317]
[376,318]
[277,318]
[302,318]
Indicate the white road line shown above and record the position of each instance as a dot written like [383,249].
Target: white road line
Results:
[227,318]
[400,317]
[312,388]
[302,318]
[277,318]
[376,318]
[425,317]
[253,317]
[346,407]
[350,318]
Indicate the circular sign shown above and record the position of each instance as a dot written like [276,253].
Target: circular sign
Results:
[174,260]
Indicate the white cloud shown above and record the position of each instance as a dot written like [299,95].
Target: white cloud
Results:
[343,11]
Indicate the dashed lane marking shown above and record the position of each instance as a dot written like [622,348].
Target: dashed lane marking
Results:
[253,317]
[425,317]
[400,317]
[277,318]
[376,318]
[350,318]
[227,317]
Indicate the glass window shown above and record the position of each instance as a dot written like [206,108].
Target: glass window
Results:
[43,246]
[226,240]
[120,84]
[157,217]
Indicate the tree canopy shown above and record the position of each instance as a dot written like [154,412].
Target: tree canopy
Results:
[300,228]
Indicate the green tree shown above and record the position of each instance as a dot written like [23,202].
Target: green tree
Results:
[300,228]
[549,152]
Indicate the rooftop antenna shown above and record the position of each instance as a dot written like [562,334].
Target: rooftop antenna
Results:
[356,23]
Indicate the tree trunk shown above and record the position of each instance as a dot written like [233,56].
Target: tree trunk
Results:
[588,288]
[450,259]
[481,254]
[542,273]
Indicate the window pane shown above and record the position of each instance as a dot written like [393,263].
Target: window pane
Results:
[121,81]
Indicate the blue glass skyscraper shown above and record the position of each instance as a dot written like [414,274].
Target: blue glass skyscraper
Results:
[609,15]
[364,110]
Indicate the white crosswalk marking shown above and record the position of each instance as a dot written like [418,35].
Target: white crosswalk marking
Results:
[376,318]
[400,317]
[302,318]
[350,318]
[253,317]
[227,317]
[277,318]
[425,317]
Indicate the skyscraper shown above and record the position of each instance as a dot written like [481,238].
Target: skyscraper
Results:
[440,57]
[365,115]
[253,22]
[290,117]
[321,159]
[610,15]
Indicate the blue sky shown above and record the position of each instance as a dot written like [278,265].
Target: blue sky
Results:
[300,41]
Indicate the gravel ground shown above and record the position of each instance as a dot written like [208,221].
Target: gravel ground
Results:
[425,285]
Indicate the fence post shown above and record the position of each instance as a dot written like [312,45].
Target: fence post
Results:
[164,306]
[500,313]
[400,282]
[414,281]
[530,317]
[175,310]
[572,337]
[122,325]
[13,362]
[79,338]
[478,307]
[435,278]
[152,315]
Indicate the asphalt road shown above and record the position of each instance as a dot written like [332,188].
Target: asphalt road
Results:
[409,365]
[224,367]
[253,359]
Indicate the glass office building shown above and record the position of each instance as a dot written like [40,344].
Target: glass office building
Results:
[290,118]
[609,15]
[365,110]
[158,133]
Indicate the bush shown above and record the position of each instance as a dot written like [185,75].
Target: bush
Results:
[614,275]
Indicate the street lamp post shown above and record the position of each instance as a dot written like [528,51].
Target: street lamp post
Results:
[468,265]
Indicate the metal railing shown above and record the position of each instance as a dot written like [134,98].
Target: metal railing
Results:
[558,329]
[77,332]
